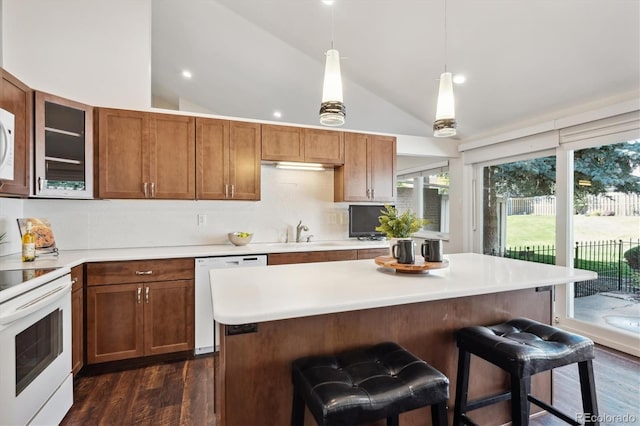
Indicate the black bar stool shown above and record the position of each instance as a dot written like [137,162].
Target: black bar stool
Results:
[523,347]
[365,385]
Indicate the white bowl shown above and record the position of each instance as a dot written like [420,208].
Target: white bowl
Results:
[238,240]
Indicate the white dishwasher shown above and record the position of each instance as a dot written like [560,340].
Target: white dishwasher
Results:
[206,329]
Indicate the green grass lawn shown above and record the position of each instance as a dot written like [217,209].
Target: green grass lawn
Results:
[539,231]
[529,230]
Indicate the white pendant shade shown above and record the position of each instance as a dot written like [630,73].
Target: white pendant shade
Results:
[445,124]
[332,110]
[332,89]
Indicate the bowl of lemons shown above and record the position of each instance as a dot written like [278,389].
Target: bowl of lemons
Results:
[240,238]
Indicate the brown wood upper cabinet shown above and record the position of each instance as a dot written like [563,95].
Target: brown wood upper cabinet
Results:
[369,171]
[63,160]
[145,155]
[139,308]
[285,143]
[17,98]
[227,160]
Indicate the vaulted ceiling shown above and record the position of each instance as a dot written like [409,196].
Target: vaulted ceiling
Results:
[525,61]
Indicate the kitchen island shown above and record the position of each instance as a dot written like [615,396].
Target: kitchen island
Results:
[275,314]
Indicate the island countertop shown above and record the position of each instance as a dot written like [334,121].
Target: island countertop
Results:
[270,293]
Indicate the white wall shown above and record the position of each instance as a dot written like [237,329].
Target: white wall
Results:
[287,197]
[1,7]
[91,51]
[10,210]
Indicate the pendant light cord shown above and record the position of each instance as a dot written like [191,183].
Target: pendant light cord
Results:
[445,35]
[332,27]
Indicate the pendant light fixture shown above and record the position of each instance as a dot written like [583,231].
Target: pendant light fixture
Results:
[332,109]
[445,124]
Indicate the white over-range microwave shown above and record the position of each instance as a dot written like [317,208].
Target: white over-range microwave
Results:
[7,125]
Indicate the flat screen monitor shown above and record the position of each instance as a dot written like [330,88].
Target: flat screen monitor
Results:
[363,220]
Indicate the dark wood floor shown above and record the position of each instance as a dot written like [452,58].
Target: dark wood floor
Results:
[172,393]
[617,377]
[181,393]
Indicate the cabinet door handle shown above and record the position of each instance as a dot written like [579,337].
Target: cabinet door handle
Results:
[40,183]
[373,194]
[153,190]
[145,190]
[74,280]
[139,294]
[368,193]
[226,190]
[233,187]
[146,295]
[144,272]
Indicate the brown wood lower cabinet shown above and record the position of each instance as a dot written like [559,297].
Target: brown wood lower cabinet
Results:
[324,256]
[372,253]
[311,256]
[135,319]
[77,319]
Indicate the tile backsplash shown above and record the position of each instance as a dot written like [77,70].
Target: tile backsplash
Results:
[287,197]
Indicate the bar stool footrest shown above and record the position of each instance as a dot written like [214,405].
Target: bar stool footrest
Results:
[552,410]
[490,400]
[467,421]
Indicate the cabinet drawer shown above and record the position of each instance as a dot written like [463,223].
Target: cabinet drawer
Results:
[137,271]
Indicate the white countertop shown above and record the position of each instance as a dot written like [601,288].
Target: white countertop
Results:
[67,259]
[267,293]
[71,258]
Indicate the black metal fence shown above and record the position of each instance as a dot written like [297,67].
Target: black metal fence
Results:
[607,259]
[604,257]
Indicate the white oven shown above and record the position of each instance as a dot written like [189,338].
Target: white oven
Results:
[35,352]
[7,124]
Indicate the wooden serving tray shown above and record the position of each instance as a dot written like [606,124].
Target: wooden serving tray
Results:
[419,267]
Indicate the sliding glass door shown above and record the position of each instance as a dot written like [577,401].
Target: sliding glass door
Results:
[606,239]
[576,205]
[518,209]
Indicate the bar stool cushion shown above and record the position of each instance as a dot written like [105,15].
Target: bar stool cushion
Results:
[525,347]
[367,384]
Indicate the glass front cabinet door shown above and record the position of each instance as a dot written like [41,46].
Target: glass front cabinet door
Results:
[63,155]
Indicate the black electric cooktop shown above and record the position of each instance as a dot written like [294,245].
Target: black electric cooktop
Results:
[13,277]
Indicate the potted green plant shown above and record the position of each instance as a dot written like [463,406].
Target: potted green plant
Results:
[398,226]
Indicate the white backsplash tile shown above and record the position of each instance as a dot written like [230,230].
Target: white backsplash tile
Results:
[287,197]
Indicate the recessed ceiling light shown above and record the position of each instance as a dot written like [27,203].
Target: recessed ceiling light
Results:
[277,114]
[186,74]
[459,79]
[328,2]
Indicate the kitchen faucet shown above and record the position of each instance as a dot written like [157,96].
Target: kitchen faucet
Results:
[299,230]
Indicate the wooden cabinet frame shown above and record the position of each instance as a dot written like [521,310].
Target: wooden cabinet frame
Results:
[369,171]
[17,98]
[228,160]
[139,308]
[145,155]
[304,145]
[40,152]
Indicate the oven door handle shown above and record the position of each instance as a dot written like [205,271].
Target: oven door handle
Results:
[33,305]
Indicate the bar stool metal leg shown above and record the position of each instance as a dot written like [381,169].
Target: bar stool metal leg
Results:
[588,388]
[520,389]
[297,409]
[439,414]
[462,387]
